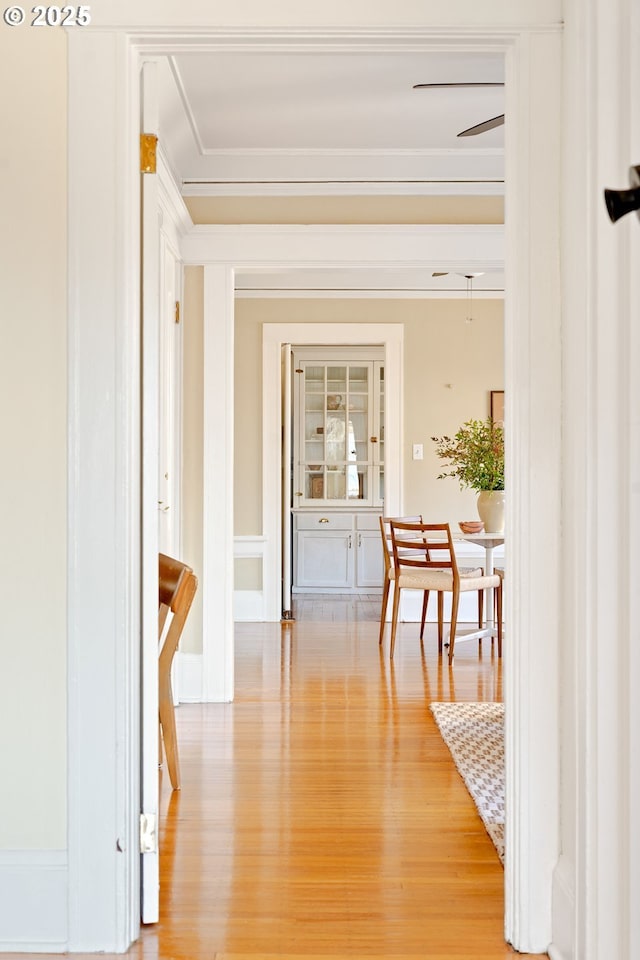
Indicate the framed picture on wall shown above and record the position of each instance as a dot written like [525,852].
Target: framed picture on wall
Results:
[497,406]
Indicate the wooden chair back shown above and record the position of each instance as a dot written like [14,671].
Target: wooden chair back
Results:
[177,585]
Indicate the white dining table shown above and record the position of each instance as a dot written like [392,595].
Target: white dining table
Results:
[489,541]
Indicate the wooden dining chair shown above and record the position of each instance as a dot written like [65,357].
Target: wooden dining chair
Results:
[434,567]
[177,588]
[390,578]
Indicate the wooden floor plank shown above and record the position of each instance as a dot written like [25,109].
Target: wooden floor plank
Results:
[321,815]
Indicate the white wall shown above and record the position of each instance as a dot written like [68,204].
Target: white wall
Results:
[33,384]
[597,879]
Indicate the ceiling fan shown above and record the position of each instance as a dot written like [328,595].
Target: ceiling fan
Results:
[478,127]
[469,277]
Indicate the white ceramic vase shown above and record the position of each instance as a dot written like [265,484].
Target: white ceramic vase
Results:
[491,510]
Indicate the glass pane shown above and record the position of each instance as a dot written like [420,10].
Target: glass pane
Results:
[362,493]
[358,379]
[337,380]
[358,403]
[336,401]
[336,483]
[381,484]
[314,484]
[358,423]
[314,379]
[335,438]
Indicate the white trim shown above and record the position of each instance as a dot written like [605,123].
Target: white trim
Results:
[383,293]
[248,546]
[533,472]
[248,606]
[555,954]
[176,221]
[217,518]
[601,716]
[391,336]
[189,673]
[474,247]
[103,574]
[33,893]
[351,188]
[564,911]
[104,494]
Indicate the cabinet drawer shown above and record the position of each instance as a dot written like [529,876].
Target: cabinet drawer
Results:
[367,521]
[324,521]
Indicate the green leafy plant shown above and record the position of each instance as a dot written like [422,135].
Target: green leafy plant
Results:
[475,455]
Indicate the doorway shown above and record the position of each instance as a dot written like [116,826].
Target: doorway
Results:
[532,321]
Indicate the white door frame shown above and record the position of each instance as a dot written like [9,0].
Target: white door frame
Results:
[104,504]
[274,336]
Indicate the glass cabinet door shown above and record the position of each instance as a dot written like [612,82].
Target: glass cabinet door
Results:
[338,428]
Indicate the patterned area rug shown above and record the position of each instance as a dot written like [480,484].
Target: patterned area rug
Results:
[474,733]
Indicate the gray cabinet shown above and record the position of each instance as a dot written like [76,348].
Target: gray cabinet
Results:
[335,551]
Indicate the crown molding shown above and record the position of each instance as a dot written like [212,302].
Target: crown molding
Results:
[344,188]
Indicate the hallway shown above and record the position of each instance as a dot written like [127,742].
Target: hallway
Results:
[321,814]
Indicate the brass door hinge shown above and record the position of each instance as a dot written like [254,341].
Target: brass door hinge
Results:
[177,311]
[148,144]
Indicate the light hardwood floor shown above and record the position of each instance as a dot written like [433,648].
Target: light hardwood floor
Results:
[321,814]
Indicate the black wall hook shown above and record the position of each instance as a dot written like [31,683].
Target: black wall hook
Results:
[621,202]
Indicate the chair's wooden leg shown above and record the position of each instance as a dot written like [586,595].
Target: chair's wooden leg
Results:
[425,604]
[168,724]
[383,611]
[394,619]
[440,620]
[455,597]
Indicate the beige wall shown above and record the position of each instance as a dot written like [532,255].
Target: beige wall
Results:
[450,367]
[33,389]
[445,209]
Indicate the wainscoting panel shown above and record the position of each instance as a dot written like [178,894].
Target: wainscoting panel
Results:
[33,894]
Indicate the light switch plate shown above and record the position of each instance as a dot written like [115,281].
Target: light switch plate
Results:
[417,451]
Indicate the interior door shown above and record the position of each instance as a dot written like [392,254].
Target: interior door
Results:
[150,282]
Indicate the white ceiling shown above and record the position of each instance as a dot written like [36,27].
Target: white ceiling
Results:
[230,117]
[291,123]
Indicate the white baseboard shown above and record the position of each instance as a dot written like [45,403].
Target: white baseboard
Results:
[248,605]
[33,894]
[563,907]
[556,954]
[188,678]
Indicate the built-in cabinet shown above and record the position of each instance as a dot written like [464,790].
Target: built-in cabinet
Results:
[337,551]
[338,468]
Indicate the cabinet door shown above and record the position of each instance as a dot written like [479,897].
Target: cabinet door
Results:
[334,414]
[370,565]
[324,558]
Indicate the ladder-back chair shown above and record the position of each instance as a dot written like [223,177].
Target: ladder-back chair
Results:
[390,578]
[434,567]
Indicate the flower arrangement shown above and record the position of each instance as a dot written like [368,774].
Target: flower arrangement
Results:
[475,455]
